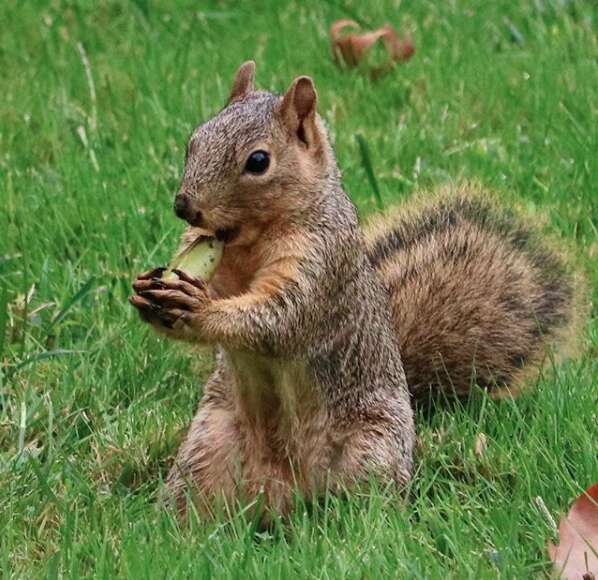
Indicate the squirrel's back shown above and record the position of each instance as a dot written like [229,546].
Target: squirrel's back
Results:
[477,296]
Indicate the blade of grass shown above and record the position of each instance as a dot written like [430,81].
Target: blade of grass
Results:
[71,302]
[3,317]
[366,161]
[44,355]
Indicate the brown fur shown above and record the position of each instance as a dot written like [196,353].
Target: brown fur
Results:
[309,391]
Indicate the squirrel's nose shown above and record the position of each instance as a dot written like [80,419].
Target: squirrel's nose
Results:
[183,209]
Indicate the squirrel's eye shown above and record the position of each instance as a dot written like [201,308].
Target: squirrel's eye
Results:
[257,162]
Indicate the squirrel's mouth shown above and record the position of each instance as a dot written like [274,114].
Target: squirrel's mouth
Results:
[227,235]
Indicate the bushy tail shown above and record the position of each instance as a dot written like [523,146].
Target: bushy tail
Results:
[478,297]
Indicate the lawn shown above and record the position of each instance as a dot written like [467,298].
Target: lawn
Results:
[97,101]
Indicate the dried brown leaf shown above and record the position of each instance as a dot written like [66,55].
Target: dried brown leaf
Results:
[352,47]
[576,556]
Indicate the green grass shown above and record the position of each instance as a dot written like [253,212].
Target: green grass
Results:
[92,405]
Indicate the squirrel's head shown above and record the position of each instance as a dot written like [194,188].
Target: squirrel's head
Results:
[261,157]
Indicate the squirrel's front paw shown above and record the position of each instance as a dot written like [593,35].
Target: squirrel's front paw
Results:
[172,306]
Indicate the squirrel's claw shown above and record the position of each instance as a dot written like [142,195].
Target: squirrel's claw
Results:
[197,282]
[154,273]
[172,305]
[171,299]
[139,302]
[155,313]
[147,310]
[190,286]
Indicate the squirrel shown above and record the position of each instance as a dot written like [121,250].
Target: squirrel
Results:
[326,334]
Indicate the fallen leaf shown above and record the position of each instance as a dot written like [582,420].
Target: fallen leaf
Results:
[576,556]
[352,47]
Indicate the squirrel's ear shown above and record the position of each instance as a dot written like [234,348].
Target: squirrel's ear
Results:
[243,83]
[298,109]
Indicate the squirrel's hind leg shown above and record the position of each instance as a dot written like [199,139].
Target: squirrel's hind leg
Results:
[205,470]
